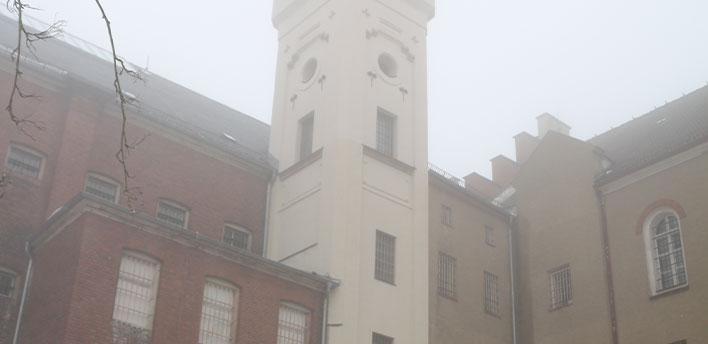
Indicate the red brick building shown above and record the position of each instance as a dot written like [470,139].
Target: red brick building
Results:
[181,264]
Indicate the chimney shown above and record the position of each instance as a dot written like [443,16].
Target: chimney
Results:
[482,186]
[525,145]
[547,122]
[504,170]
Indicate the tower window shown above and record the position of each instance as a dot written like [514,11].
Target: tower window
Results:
[307,125]
[388,65]
[385,264]
[308,70]
[385,132]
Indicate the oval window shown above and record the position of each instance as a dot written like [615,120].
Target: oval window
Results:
[308,70]
[388,65]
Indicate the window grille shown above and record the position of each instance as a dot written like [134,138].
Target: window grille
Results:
[135,299]
[491,294]
[561,287]
[24,162]
[447,270]
[489,235]
[385,133]
[670,270]
[7,285]
[381,339]
[101,188]
[306,135]
[236,237]
[385,257]
[218,313]
[293,324]
[172,214]
[446,215]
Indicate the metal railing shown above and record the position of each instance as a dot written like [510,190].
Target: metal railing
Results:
[446,175]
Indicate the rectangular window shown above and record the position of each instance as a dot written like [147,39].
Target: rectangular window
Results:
[172,214]
[561,287]
[134,305]
[24,162]
[385,266]
[218,313]
[385,133]
[101,188]
[236,237]
[489,235]
[381,339]
[293,323]
[491,294]
[7,283]
[446,215]
[447,266]
[307,130]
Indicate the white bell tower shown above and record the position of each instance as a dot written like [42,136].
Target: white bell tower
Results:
[349,130]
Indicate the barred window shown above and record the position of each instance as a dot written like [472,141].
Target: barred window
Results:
[7,286]
[237,237]
[307,130]
[134,305]
[667,256]
[293,324]
[489,235]
[446,215]
[447,270]
[491,294]
[172,214]
[25,162]
[218,313]
[385,265]
[561,287]
[385,132]
[102,188]
[380,339]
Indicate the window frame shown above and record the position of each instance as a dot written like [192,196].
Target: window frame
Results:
[447,276]
[157,265]
[303,310]
[174,205]
[490,292]
[651,255]
[385,262]
[29,151]
[389,150]
[489,236]
[308,119]
[105,179]
[235,306]
[446,215]
[236,228]
[558,289]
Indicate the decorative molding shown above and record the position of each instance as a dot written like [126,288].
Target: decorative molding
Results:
[390,161]
[300,165]
[662,203]
[387,195]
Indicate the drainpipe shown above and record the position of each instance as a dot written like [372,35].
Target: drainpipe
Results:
[511,279]
[266,222]
[325,306]
[608,264]
[24,294]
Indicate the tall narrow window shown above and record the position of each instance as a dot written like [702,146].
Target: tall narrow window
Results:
[489,235]
[381,339]
[293,324]
[307,129]
[237,237]
[102,187]
[667,256]
[386,133]
[25,162]
[561,287]
[218,325]
[491,294]
[134,305]
[447,270]
[385,265]
[172,213]
[446,215]
[7,286]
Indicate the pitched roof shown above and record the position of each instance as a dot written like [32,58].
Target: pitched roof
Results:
[159,99]
[670,129]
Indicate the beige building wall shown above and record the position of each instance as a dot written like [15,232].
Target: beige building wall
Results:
[559,225]
[462,318]
[683,313]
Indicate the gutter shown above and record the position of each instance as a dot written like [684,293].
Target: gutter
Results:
[512,279]
[325,308]
[24,294]
[266,222]
[608,264]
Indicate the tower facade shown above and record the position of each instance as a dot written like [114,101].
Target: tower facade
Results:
[349,130]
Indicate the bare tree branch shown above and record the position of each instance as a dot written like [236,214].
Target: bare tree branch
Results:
[125,147]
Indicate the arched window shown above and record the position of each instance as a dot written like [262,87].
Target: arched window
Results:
[664,249]
[219,305]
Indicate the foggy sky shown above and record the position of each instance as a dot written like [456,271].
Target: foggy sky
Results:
[494,65]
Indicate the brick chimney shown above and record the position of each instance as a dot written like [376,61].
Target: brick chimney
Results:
[504,170]
[482,186]
[525,145]
[547,122]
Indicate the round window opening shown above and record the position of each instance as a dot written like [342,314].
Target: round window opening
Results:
[308,70]
[388,65]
